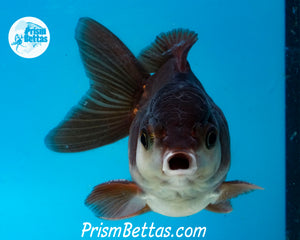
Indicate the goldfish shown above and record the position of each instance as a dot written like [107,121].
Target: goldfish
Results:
[179,143]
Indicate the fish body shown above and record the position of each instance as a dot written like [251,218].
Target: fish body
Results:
[179,146]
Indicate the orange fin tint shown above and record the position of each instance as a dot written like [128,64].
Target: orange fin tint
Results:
[222,207]
[229,190]
[117,200]
[233,189]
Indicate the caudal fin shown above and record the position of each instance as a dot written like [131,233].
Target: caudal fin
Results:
[175,43]
[105,112]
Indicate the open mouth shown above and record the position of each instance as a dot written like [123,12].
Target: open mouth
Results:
[179,161]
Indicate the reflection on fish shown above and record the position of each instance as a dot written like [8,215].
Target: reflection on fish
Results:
[179,147]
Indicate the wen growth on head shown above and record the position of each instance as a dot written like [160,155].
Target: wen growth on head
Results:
[179,147]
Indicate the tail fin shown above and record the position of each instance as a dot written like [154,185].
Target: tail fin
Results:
[175,43]
[105,113]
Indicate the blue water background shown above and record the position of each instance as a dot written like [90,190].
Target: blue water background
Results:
[239,58]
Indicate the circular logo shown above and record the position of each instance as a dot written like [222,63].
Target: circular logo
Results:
[29,37]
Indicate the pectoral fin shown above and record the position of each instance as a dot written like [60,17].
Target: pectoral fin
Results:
[233,189]
[229,190]
[117,200]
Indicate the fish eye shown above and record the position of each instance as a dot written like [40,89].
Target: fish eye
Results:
[211,138]
[145,139]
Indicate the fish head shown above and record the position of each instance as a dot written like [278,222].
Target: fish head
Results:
[179,144]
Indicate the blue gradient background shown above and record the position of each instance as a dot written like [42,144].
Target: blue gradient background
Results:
[239,58]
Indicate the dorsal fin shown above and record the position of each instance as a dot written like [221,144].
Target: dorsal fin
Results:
[175,43]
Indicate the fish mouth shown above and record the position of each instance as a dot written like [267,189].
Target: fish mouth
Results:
[176,163]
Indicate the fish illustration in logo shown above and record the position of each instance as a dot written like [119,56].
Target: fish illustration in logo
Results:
[179,146]
[18,41]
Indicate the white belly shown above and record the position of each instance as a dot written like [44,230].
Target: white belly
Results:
[180,207]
